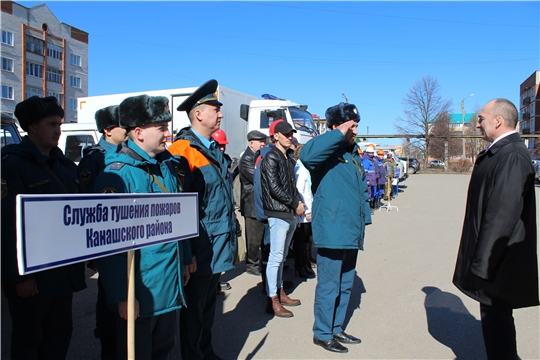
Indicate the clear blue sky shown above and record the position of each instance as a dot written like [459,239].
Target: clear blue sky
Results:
[312,52]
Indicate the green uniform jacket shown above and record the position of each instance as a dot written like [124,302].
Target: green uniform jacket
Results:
[158,268]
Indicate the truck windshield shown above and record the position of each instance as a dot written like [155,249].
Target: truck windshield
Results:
[302,120]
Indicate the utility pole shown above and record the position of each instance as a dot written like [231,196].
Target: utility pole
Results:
[463,123]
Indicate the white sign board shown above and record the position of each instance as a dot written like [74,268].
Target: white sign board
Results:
[57,230]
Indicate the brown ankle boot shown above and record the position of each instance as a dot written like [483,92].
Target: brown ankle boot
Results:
[273,306]
[285,300]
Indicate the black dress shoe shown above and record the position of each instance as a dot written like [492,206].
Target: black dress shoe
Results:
[331,345]
[346,338]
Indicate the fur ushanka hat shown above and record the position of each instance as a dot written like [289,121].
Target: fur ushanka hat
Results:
[36,108]
[107,118]
[143,109]
[343,112]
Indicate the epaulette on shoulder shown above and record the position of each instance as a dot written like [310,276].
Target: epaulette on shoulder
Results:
[117,165]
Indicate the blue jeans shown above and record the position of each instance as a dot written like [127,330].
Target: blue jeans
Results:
[281,232]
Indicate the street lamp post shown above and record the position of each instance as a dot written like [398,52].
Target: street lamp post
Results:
[367,129]
[463,123]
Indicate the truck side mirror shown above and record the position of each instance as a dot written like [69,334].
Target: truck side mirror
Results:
[244,111]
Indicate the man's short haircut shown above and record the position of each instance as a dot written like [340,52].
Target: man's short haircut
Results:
[191,113]
[508,111]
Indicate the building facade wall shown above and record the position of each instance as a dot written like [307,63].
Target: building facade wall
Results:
[530,111]
[40,23]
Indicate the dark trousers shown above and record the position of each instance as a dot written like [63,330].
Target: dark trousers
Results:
[499,332]
[41,328]
[197,319]
[301,239]
[254,240]
[105,329]
[336,269]
[154,336]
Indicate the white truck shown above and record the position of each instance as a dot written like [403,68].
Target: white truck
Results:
[241,113]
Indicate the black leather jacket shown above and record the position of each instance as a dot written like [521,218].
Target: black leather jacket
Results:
[247,168]
[280,196]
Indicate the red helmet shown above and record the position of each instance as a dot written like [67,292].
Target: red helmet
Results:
[220,137]
[273,125]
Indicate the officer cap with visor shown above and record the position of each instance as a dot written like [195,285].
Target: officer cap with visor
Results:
[206,94]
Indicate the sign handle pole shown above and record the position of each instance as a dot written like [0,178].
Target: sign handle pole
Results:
[131,305]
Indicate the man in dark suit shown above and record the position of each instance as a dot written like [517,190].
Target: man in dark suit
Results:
[497,261]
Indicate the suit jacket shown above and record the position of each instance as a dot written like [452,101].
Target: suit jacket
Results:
[497,260]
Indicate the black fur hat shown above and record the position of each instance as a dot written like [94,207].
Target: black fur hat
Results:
[107,118]
[36,108]
[143,109]
[341,113]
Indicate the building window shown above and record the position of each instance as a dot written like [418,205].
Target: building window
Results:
[33,69]
[75,81]
[58,96]
[75,60]
[54,51]
[34,45]
[54,75]
[7,92]
[73,104]
[30,91]
[7,38]
[7,64]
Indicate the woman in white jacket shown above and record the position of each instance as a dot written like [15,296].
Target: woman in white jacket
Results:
[302,235]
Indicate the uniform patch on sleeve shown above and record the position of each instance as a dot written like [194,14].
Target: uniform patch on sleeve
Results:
[117,166]
[4,189]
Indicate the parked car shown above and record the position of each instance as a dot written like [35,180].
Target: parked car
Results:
[414,165]
[436,163]
[10,132]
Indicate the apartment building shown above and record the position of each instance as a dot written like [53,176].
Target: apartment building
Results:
[41,56]
[529,122]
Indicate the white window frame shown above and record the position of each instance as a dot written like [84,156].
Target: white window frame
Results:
[32,91]
[8,36]
[32,68]
[73,104]
[10,90]
[12,64]
[75,59]
[75,81]
[58,96]
[55,51]
[55,74]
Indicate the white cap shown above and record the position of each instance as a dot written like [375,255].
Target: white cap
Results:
[370,149]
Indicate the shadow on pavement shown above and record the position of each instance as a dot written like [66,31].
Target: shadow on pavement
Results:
[451,324]
[355,300]
[232,329]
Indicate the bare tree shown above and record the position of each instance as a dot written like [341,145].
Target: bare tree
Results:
[422,106]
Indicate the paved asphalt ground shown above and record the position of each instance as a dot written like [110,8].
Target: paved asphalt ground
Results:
[403,305]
